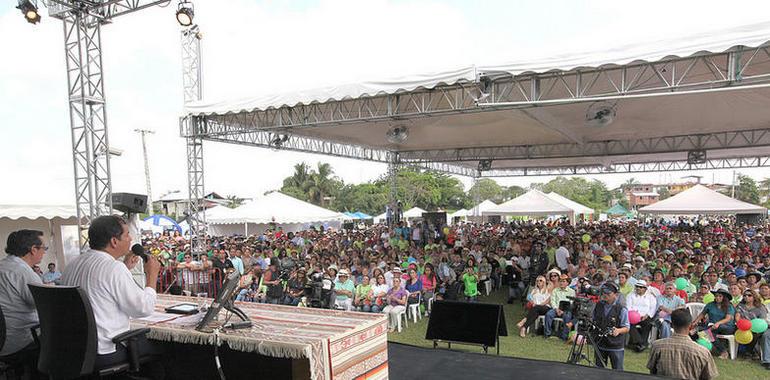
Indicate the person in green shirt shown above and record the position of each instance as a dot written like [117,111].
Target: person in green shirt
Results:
[558,296]
[363,295]
[471,281]
[625,287]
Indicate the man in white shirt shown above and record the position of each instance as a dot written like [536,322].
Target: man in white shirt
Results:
[111,290]
[25,249]
[562,258]
[645,304]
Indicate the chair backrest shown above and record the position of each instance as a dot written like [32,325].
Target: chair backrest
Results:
[2,329]
[695,308]
[68,340]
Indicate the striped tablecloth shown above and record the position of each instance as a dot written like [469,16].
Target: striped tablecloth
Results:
[339,345]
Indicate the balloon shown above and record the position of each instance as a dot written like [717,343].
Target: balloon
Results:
[561,232]
[644,244]
[705,343]
[581,339]
[586,238]
[708,298]
[744,325]
[634,317]
[758,325]
[697,244]
[744,337]
[681,284]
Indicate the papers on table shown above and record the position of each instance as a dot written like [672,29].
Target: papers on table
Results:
[156,317]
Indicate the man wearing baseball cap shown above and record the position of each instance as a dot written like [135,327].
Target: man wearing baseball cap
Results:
[610,316]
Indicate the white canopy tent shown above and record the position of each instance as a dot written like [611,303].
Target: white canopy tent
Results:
[461,213]
[531,203]
[414,212]
[577,208]
[256,216]
[700,200]
[478,210]
[57,222]
[532,115]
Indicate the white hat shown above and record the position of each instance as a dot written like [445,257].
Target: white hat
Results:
[641,284]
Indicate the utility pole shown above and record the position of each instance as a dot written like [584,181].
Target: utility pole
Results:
[733,191]
[144,132]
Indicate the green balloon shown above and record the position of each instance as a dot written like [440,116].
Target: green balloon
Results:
[681,284]
[708,298]
[758,326]
[705,343]
[586,238]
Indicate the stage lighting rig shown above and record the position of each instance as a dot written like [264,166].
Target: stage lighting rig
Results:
[185,13]
[29,10]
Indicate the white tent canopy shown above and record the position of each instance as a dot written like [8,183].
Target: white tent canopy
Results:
[478,210]
[531,203]
[700,200]
[275,207]
[57,222]
[414,212]
[461,213]
[577,208]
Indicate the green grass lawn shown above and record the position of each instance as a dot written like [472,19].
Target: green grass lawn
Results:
[535,347]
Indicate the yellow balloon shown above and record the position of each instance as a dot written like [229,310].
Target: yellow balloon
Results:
[743,337]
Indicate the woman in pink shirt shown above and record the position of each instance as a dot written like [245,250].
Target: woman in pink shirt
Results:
[429,281]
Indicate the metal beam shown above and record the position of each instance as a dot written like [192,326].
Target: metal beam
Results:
[654,145]
[100,10]
[711,164]
[88,119]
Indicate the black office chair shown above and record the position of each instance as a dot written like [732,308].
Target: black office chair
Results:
[14,366]
[68,340]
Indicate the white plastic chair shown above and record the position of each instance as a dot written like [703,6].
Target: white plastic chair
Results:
[414,309]
[430,303]
[398,320]
[732,345]
[488,286]
[695,308]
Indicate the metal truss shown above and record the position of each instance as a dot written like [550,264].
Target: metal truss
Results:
[88,120]
[192,81]
[497,90]
[654,145]
[82,21]
[711,164]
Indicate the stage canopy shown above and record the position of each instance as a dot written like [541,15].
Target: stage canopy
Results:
[693,101]
[531,203]
[57,222]
[618,210]
[275,207]
[577,208]
[700,200]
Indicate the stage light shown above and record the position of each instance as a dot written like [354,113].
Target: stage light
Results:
[29,10]
[397,135]
[185,13]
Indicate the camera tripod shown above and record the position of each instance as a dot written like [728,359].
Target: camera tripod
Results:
[578,352]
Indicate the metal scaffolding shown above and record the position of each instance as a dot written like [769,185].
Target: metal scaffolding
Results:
[82,21]
[190,129]
[291,127]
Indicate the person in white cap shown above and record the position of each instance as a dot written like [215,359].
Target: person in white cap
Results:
[645,304]
[343,289]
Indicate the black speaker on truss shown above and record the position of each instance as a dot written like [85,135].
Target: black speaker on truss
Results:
[696,157]
[131,203]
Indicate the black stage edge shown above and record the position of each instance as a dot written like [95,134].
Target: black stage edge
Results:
[407,362]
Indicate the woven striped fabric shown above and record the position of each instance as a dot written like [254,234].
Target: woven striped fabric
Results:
[339,345]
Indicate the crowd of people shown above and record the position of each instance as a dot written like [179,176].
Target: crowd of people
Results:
[638,276]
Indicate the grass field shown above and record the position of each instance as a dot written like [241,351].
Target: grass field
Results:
[535,347]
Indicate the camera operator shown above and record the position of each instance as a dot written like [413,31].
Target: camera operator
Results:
[295,288]
[610,315]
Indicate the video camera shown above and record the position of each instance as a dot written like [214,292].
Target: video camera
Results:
[318,291]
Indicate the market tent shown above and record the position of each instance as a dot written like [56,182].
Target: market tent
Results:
[274,208]
[414,212]
[479,209]
[577,208]
[350,215]
[531,203]
[461,213]
[617,210]
[163,221]
[361,215]
[57,222]
[700,200]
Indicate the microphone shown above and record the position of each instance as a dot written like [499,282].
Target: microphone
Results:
[138,250]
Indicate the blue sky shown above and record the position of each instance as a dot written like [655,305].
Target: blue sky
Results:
[263,47]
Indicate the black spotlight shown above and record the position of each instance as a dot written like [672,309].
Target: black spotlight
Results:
[185,13]
[29,10]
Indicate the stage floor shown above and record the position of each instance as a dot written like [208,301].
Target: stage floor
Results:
[409,362]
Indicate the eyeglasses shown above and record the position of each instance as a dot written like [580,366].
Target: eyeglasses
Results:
[43,247]
[748,295]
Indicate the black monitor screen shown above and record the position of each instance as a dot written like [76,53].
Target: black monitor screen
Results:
[225,294]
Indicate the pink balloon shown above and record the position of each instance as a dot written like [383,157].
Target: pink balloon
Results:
[634,317]
[580,339]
